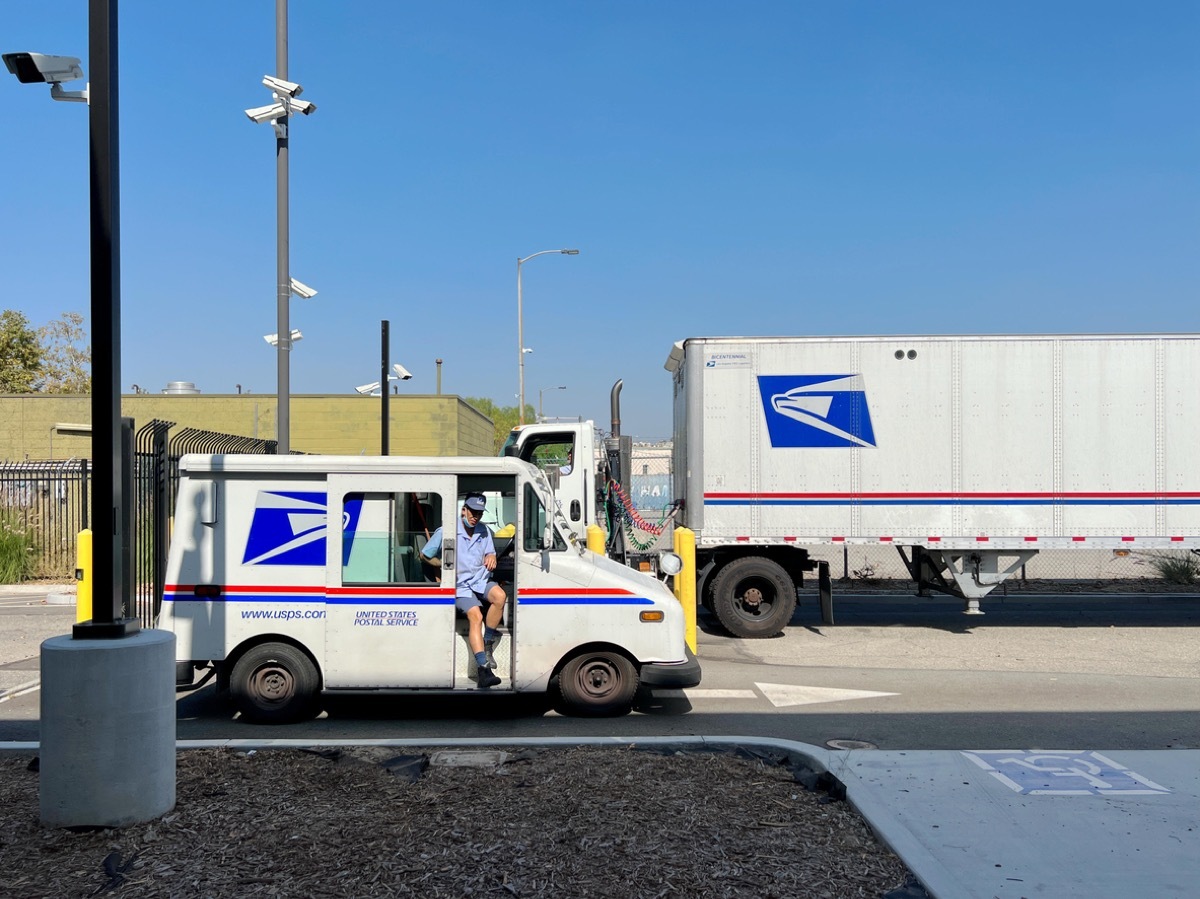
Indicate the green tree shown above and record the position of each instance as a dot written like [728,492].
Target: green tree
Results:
[66,358]
[21,355]
[504,418]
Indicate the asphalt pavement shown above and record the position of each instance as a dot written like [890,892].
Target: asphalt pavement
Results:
[971,822]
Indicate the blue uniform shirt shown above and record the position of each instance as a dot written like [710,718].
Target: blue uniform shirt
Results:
[470,577]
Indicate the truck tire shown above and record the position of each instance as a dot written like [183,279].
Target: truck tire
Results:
[274,683]
[753,597]
[598,684]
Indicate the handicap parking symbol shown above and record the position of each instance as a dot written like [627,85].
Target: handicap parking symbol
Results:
[1063,773]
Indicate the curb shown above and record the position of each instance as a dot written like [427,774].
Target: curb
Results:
[36,589]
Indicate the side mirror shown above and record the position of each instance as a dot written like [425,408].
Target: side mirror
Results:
[548,538]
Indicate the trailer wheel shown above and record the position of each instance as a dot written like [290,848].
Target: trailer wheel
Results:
[753,597]
[596,684]
[274,683]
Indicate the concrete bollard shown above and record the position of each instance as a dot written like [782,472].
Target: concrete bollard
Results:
[107,730]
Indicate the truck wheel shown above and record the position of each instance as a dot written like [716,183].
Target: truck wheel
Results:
[597,684]
[274,684]
[753,597]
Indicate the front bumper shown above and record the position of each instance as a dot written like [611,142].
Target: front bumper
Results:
[672,674]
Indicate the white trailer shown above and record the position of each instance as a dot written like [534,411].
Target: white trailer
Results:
[971,453]
[968,454]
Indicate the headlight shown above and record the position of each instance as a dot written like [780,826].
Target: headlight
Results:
[670,563]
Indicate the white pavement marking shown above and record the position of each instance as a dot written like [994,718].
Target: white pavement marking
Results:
[788,694]
[21,690]
[702,693]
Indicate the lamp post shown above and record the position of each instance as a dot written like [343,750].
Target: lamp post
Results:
[542,390]
[521,349]
[110,568]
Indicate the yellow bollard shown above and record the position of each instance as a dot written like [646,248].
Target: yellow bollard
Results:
[685,582]
[595,539]
[83,576]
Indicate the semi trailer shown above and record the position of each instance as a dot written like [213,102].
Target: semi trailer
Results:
[968,454]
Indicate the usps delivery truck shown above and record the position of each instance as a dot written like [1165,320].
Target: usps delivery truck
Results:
[296,576]
[968,454]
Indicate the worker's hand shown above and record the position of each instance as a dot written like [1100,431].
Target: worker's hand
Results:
[489,561]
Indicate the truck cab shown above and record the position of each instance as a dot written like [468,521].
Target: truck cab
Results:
[566,452]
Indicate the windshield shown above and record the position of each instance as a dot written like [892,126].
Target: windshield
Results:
[510,442]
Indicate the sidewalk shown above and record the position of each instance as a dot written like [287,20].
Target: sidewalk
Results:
[978,823]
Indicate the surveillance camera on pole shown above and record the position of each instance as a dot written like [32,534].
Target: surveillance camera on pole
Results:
[300,289]
[279,86]
[403,373]
[273,339]
[285,105]
[286,102]
[260,114]
[366,389]
[42,68]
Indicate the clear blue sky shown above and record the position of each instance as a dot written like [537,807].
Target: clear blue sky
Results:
[755,168]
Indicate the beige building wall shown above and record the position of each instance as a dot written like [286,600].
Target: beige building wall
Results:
[40,426]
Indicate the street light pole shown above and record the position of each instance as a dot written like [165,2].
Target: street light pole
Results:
[110,576]
[542,390]
[521,332]
[283,294]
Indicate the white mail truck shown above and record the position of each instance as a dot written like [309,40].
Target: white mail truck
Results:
[297,576]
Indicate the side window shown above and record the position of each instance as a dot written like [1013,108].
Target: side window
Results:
[383,533]
[555,456]
[536,520]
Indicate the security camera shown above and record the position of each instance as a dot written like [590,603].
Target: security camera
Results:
[403,372]
[368,388]
[273,339]
[302,106]
[300,289]
[291,88]
[32,68]
[270,113]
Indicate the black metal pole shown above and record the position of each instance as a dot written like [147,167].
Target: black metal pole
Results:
[383,388]
[109,580]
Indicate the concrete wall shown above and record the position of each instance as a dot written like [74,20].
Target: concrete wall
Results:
[328,424]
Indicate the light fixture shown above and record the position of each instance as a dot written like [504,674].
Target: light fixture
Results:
[521,348]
